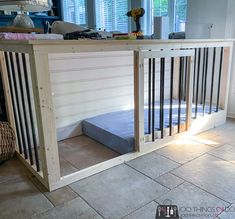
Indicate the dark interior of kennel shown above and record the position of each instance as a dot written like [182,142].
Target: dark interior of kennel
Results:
[3,114]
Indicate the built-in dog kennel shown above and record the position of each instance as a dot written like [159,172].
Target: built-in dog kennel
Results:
[80,107]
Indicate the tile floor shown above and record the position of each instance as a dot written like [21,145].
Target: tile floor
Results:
[197,174]
[82,152]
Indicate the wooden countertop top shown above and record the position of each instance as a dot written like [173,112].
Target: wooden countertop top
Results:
[60,46]
[121,42]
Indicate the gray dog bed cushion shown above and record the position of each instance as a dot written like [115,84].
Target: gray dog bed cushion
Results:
[116,130]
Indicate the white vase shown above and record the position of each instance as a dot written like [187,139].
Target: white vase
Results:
[24,21]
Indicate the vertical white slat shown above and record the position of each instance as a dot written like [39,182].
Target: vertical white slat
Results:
[139,100]
[41,83]
[176,78]
[225,78]
[189,92]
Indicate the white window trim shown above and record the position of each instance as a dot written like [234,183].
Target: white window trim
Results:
[148,19]
[171,14]
[91,13]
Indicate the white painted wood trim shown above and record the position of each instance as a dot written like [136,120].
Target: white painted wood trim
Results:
[167,53]
[231,115]
[148,148]
[38,53]
[189,89]
[214,120]
[32,169]
[128,46]
[226,77]
[10,47]
[139,100]
[41,82]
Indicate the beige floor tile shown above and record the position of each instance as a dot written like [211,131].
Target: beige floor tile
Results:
[153,165]
[225,152]
[12,170]
[216,141]
[83,152]
[192,201]
[61,196]
[169,180]
[21,200]
[184,150]
[57,197]
[208,134]
[118,191]
[212,174]
[146,212]
[75,209]
[66,168]
[229,213]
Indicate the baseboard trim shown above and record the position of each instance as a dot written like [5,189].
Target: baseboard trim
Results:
[69,131]
[231,115]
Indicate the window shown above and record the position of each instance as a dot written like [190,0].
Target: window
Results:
[175,9]
[74,11]
[180,15]
[160,7]
[111,15]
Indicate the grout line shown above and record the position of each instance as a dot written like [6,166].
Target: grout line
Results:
[165,156]
[223,211]
[186,181]
[156,181]
[146,175]
[194,140]
[87,202]
[40,190]
[206,153]
[69,164]
[138,209]
[221,158]
[91,206]
[169,172]
[182,164]
[34,216]
[207,144]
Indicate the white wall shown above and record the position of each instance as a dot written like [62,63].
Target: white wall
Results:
[89,84]
[220,13]
[230,33]
[203,13]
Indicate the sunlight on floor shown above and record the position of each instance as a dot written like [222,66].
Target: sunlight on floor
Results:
[190,138]
[185,141]
[205,141]
[199,124]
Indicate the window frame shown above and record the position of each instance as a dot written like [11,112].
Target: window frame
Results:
[91,14]
[148,4]
[86,16]
[96,13]
[148,18]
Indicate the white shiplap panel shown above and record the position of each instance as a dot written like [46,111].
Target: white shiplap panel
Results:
[90,84]
[91,74]
[90,63]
